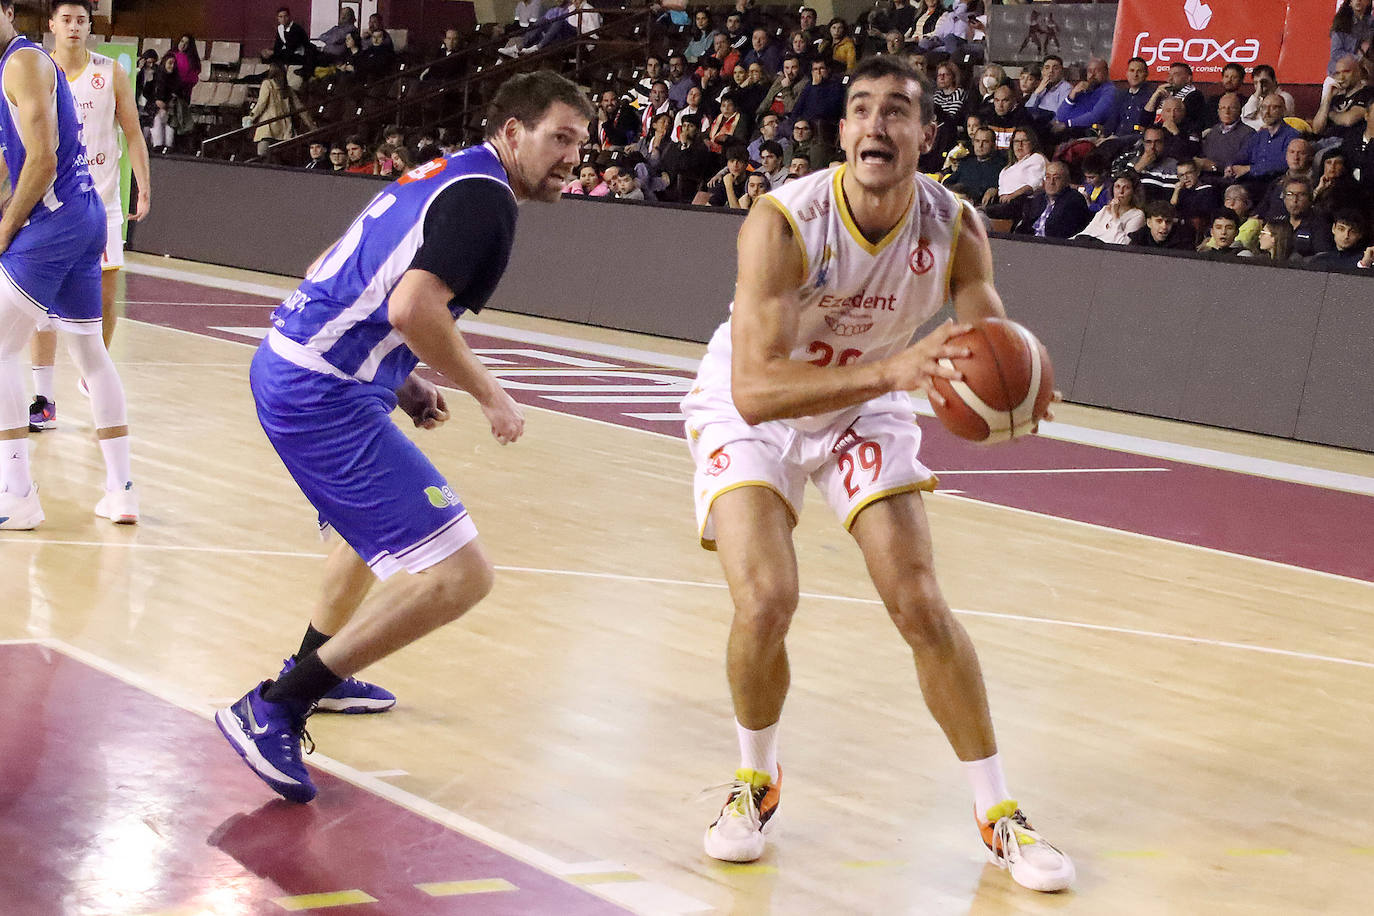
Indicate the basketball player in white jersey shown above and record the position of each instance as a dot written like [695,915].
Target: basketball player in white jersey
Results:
[104,100]
[808,379]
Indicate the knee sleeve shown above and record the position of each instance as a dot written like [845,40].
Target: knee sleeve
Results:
[16,328]
[107,392]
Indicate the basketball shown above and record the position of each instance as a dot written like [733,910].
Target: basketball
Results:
[1007,384]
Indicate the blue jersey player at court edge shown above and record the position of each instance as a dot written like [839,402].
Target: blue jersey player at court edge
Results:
[340,356]
[52,236]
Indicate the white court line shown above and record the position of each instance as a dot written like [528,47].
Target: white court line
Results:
[1153,448]
[1056,471]
[657,899]
[380,774]
[236,305]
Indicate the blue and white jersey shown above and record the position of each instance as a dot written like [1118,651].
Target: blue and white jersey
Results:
[337,320]
[73,179]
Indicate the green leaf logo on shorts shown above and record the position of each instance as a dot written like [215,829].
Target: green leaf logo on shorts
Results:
[437,499]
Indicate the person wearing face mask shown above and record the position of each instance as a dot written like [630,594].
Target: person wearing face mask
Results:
[993,76]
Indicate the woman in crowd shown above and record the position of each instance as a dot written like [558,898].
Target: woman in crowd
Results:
[949,97]
[922,31]
[1351,30]
[382,163]
[1022,177]
[275,110]
[1276,242]
[840,47]
[1115,222]
[401,160]
[1238,200]
[655,143]
[188,63]
[993,76]
[799,44]
[163,92]
[586,180]
[729,128]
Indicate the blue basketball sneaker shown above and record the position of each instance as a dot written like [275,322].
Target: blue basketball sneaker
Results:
[351,696]
[268,736]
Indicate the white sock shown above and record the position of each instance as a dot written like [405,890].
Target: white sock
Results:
[43,381]
[758,750]
[116,452]
[989,785]
[14,466]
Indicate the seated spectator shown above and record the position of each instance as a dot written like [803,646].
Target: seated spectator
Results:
[755,186]
[768,130]
[1349,235]
[638,96]
[787,87]
[1298,158]
[527,13]
[319,156]
[1311,230]
[1346,100]
[609,174]
[448,59]
[1023,175]
[376,60]
[748,92]
[1056,211]
[1358,152]
[729,128]
[1028,80]
[993,76]
[353,46]
[1232,81]
[712,86]
[732,181]
[1351,30]
[893,45]
[1181,86]
[922,31]
[976,176]
[949,98]
[1221,242]
[627,187]
[655,142]
[1223,141]
[691,112]
[585,182]
[401,159]
[679,80]
[163,91]
[338,159]
[374,24]
[1051,92]
[382,161]
[333,39]
[563,22]
[1238,201]
[771,163]
[1115,222]
[763,51]
[1335,189]
[798,166]
[1194,200]
[738,29]
[1263,156]
[822,100]
[1157,170]
[1007,117]
[729,58]
[359,163]
[686,164]
[614,126]
[898,18]
[1131,115]
[1179,142]
[807,24]
[800,46]
[1266,83]
[1162,230]
[702,38]
[1091,106]
[1095,182]
[806,143]
[1275,243]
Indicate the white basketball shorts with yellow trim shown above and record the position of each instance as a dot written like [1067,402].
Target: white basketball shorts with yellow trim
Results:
[867,455]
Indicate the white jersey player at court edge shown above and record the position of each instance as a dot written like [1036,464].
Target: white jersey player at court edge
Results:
[808,380]
[105,107]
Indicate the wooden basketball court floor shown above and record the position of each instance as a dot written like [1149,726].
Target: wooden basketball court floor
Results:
[1192,725]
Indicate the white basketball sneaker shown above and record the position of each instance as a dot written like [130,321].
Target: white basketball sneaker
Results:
[1014,845]
[737,834]
[20,513]
[119,506]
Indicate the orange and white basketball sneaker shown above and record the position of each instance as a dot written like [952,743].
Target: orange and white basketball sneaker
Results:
[737,835]
[1014,845]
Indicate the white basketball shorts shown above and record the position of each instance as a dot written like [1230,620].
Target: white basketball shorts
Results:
[113,258]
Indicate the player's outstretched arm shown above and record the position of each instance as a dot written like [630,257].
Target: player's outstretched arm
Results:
[970,273]
[126,113]
[29,85]
[767,384]
[419,311]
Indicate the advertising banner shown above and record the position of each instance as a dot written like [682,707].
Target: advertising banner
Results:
[1024,34]
[1205,34]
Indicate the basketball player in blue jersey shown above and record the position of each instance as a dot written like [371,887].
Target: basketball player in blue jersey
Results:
[341,355]
[52,235]
[808,380]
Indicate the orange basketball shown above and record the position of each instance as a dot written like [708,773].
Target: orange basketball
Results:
[1007,384]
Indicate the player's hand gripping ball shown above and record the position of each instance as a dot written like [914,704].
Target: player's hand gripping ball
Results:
[1007,387]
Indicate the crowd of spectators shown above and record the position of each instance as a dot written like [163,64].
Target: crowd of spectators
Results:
[745,104]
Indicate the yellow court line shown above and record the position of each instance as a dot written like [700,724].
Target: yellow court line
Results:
[321,901]
[603,877]
[1258,852]
[745,869]
[475,886]
[1363,850]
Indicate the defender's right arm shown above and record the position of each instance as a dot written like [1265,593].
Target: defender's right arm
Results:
[767,384]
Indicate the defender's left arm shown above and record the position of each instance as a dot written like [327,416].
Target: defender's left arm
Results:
[126,113]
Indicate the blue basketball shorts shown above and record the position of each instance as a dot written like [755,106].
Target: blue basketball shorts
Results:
[52,268]
[366,480]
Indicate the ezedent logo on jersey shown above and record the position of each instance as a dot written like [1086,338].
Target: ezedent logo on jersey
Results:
[851,315]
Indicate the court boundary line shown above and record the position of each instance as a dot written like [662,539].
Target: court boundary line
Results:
[1079,435]
[408,801]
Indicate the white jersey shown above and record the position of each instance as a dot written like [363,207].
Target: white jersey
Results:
[860,301]
[93,91]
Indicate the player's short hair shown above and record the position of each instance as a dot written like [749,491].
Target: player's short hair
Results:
[1229,215]
[771,146]
[1054,57]
[737,154]
[527,97]
[875,68]
[55,5]
[1232,65]
[1142,61]
[1179,63]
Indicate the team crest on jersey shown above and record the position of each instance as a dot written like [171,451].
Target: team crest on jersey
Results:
[922,259]
[718,463]
[97,81]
